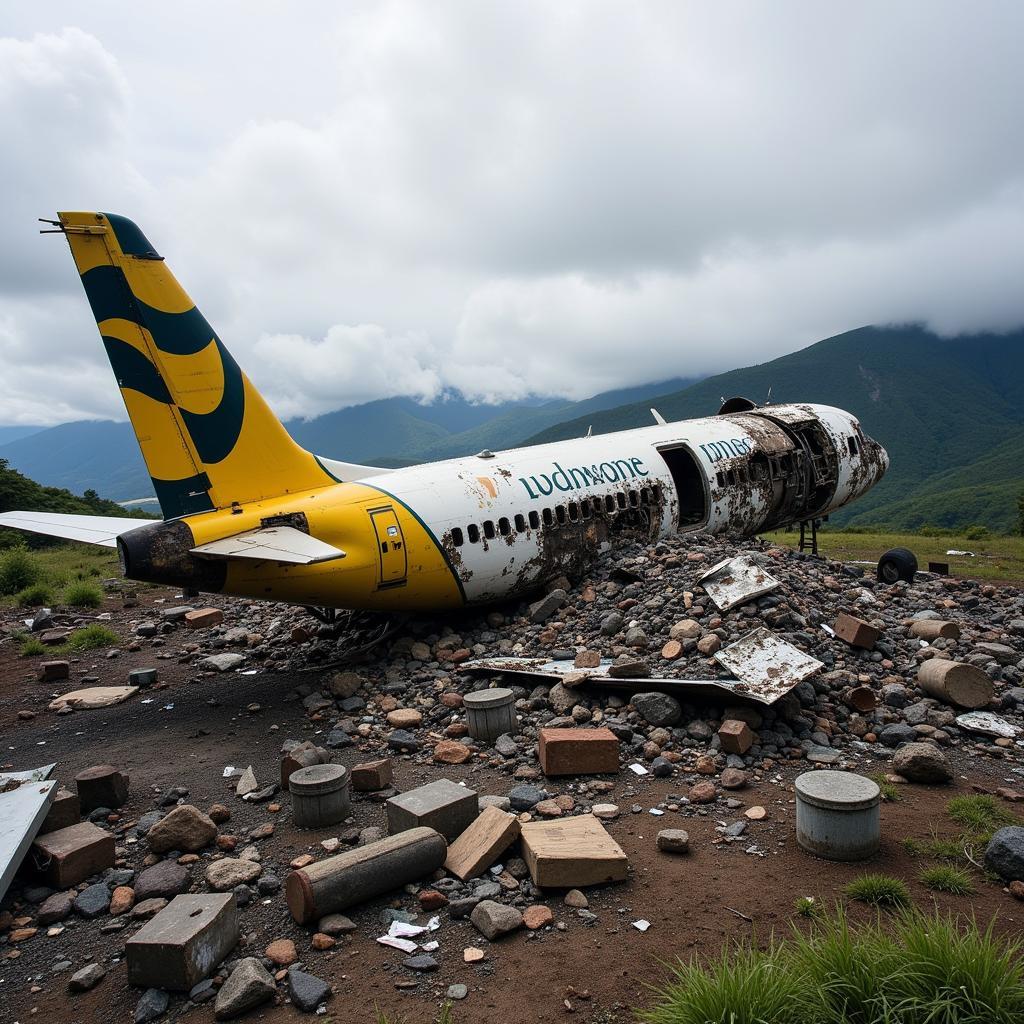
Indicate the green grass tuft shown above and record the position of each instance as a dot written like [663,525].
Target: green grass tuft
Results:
[980,815]
[91,637]
[879,891]
[918,969]
[18,571]
[83,595]
[807,906]
[913,847]
[32,647]
[35,596]
[944,878]
[890,792]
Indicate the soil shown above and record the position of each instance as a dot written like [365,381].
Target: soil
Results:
[600,972]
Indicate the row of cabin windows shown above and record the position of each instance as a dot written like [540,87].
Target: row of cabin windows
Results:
[571,512]
[778,466]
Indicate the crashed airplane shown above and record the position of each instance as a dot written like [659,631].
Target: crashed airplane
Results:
[250,513]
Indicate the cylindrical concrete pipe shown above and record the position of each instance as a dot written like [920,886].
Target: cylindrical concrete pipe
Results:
[932,629]
[358,875]
[837,815]
[955,683]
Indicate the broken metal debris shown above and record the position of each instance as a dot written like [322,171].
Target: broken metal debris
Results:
[25,799]
[768,665]
[987,723]
[736,581]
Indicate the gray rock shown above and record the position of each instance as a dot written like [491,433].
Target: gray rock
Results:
[203,992]
[895,734]
[562,699]
[657,708]
[506,746]
[422,962]
[611,624]
[248,986]
[166,879]
[225,874]
[1005,853]
[306,991]
[495,919]
[153,1004]
[456,992]
[921,762]
[336,924]
[542,610]
[88,977]
[185,828]
[222,662]
[673,840]
[93,900]
[402,739]
[56,908]
[526,796]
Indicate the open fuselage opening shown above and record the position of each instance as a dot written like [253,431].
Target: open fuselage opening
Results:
[691,487]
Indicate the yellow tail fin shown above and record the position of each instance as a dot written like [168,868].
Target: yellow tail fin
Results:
[208,437]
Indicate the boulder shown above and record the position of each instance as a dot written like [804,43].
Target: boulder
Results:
[225,874]
[249,986]
[1005,853]
[495,919]
[657,708]
[921,762]
[185,828]
[166,879]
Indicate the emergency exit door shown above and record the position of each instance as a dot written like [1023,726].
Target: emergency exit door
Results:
[394,562]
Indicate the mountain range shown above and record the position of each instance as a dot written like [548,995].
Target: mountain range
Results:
[950,411]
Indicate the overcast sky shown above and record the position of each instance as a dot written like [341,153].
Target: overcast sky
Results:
[386,199]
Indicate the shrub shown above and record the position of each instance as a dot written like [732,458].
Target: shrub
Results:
[36,596]
[91,637]
[18,571]
[32,648]
[83,595]
[879,891]
[976,532]
[944,878]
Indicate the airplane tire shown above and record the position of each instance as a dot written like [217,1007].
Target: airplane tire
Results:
[897,564]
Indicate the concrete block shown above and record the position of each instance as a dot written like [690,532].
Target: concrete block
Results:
[856,632]
[53,671]
[203,618]
[183,943]
[372,776]
[64,811]
[735,736]
[572,852]
[142,677]
[70,855]
[578,751]
[482,843]
[102,785]
[444,806]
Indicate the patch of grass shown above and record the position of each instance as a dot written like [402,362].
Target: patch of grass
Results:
[981,815]
[951,850]
[807,906]
[18,571]
[91,637]
[32,647]
[36,596]
[944,878]
[83,595]
[889,790]
[915,969]
[879,890]
[913,847]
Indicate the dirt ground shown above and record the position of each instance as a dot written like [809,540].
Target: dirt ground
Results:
[598,972]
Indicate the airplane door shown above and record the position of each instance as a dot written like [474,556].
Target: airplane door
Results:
[391,551]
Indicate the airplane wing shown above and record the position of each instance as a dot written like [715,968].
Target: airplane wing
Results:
[103,530]
[274,544]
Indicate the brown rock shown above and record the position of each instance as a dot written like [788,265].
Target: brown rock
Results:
[431,899]
[703,793]
[452,752]
[122,899]
[734,778]
[587,659]
[705,765]
[218,814]
[1017,889]
[672,650]
[321,941]
[405,718]
[537,916]
[21,934]
[185,828]
[281,952]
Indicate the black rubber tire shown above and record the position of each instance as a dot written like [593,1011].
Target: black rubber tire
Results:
[897,564]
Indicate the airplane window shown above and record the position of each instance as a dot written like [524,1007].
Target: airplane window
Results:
[534,520]
[574,512]
[620,500]
[549,519]
[489,530]
[560,514]
[473,532]
[609,504]
[634,499]
[503,527]
[520,522]
[852,442]
[720,479]
[730,475]
[586,509]
[457,539]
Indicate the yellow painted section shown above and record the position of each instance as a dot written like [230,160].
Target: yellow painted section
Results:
[88,250]
[163,446]
[131,334]
[338,515]
[152,281]
[197,380]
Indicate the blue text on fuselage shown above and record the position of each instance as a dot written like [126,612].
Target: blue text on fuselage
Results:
[580,477]
[733,448]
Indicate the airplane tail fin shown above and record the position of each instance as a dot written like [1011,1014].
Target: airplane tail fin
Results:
[208,438]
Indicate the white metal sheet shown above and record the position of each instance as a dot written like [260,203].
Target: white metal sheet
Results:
[102,530]
[22,811]
[766,663]
[736,581]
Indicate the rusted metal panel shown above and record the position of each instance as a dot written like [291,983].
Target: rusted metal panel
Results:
[735,581]
[767,664]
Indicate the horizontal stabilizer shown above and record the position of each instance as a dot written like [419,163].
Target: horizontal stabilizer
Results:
[273,543]
[102,530]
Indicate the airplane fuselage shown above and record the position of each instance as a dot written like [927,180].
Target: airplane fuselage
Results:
[489,526]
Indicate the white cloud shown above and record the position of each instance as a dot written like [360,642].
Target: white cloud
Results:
[512,198]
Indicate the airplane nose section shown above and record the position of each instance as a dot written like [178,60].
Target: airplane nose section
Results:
[876,461]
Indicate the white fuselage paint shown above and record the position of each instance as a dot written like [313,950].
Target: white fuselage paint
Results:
[478,494]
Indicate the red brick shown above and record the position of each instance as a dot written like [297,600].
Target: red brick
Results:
[735,736]
[64,811]
[856,632]
[578,751]
[102,785]
[204,618]
[70,855]
[372,775]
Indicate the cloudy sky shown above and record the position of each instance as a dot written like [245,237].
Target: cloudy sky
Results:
[509,198]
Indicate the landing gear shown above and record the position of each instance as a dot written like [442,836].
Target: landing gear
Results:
[897,564]
[809,543]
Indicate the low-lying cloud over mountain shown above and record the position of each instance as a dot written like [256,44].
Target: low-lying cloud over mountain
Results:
[395,199]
